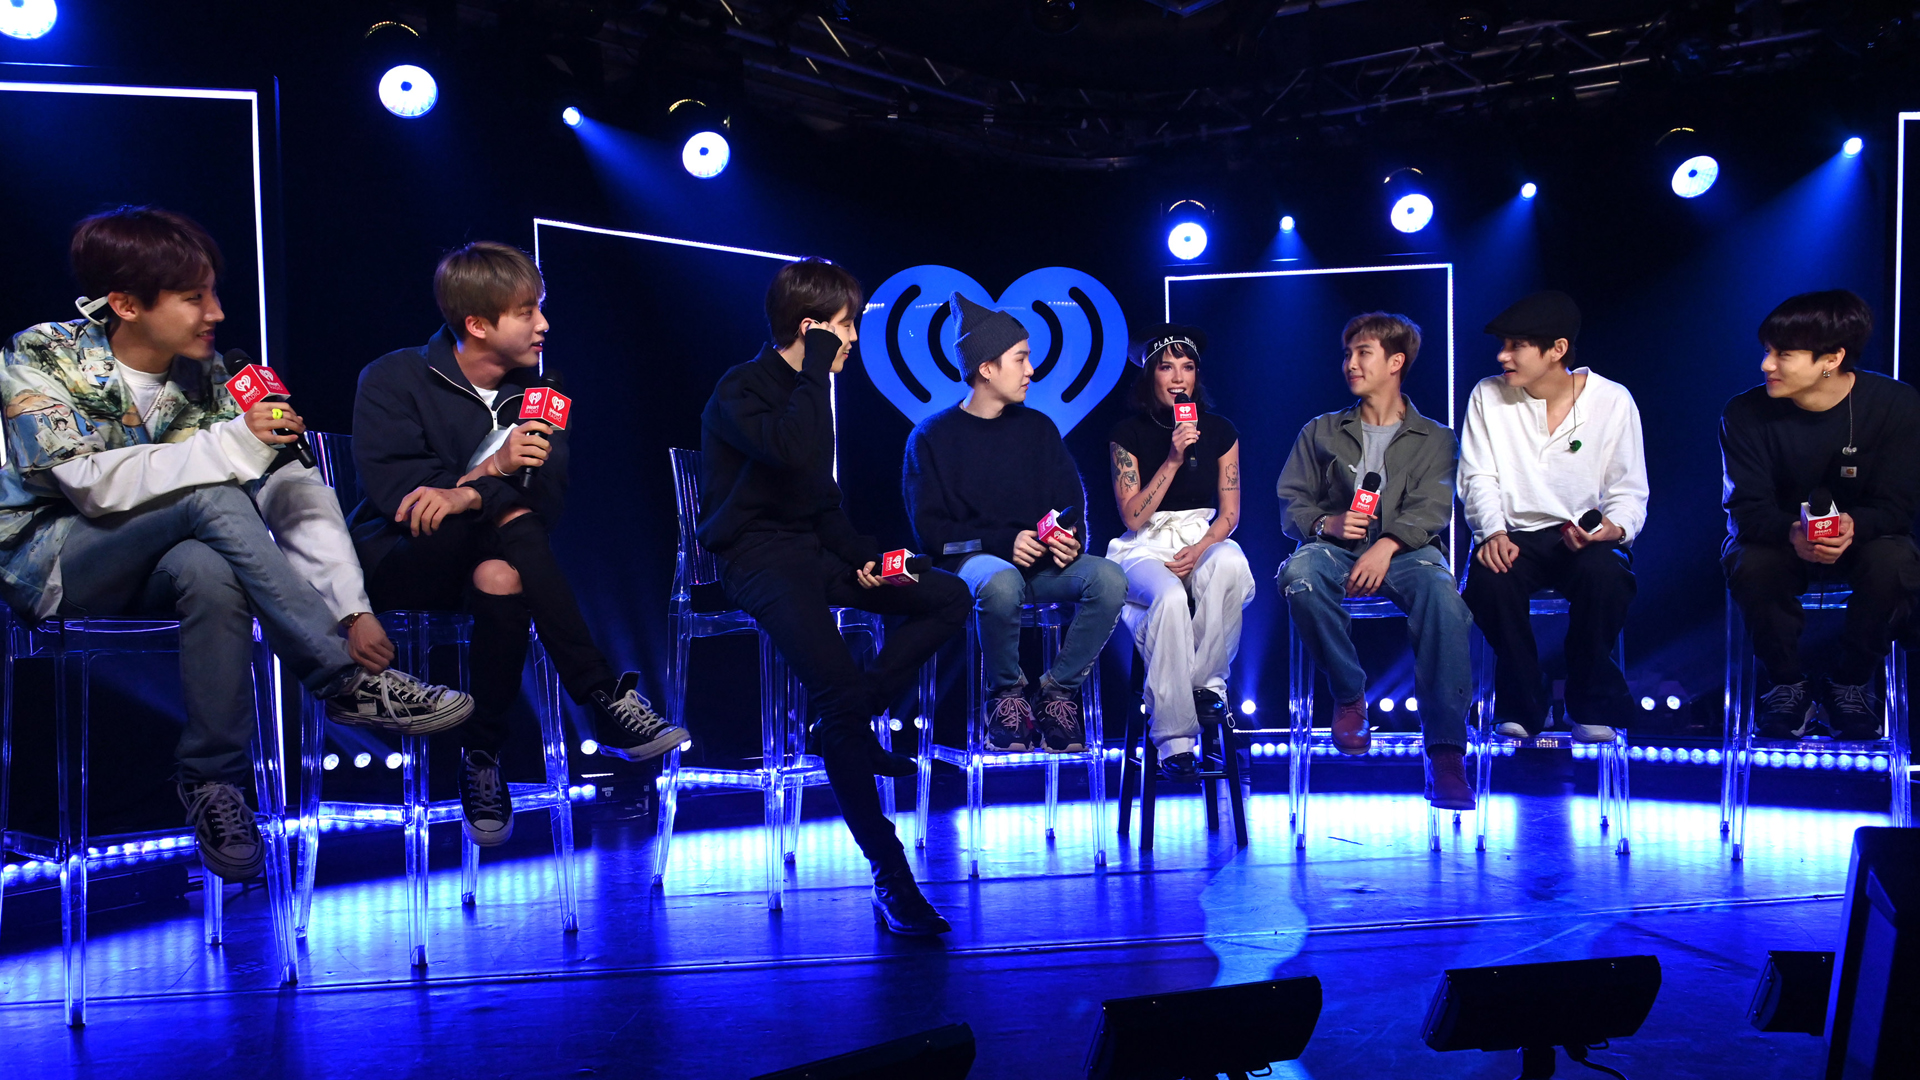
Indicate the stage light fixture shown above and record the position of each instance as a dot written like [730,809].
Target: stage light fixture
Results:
[1413,704]
[27,19]
[1695,176]
[1235,1030]
[570,116]
[330,762]
[394,760]
[1497,1008]
[1286,223]
[1248,707]
[1647,704]
[1412,212]
[362,759]
[706,154]
[1386,704]
[1529,189]
[588,747]
[1853,146]
[407,90]
[1186,222]
[1674,702]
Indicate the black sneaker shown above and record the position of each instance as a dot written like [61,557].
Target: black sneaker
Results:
[396,701]
[1010,724]
[486,808]
[626,726]
[229,837]
[1060,729]
[1854,710]
[899,906]
[1783,712]
[1183,768]
[1211,708]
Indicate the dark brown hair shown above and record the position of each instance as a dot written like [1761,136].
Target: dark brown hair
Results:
[1395,333]
[484,278]
[1144,399]
[1823,323]
[140,251]
[809,289]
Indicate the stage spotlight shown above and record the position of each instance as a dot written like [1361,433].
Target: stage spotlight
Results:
[1186,222]
[1054,16]
[1286,223]
[330,762]
[1386,704]
[407,90]
[362,759]
[706,154]
[1647,704]
[1853,146]
[27,19]
[394,760]
[1674,702]
[1248,707]
[588,747]
[1411,213]
[1695,176]
[1235,1030]
[1497,1008]
[1529,189]
[1413,704]
[570,116]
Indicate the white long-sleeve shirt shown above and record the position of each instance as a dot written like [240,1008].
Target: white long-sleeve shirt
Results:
[1517,476]
[301,510]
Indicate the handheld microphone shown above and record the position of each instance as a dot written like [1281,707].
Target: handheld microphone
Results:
[543,403]
[903,567]
[1186,412]
[1366,497]
[1057,523]
[1591,520]
[1820,515]
[254,383]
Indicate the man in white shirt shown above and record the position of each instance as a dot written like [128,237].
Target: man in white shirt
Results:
[1544,446]
[134,486]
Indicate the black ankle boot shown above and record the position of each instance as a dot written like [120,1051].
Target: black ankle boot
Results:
[899,907]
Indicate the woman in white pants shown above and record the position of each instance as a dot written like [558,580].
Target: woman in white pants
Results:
[1177,483]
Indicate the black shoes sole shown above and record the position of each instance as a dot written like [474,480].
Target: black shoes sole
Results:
[652,748]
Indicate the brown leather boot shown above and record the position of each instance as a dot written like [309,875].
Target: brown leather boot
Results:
[1447,786]
[1350,731]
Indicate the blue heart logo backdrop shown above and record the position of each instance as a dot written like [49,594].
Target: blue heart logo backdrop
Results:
[1078,334]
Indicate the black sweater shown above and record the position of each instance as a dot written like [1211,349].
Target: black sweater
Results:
[968,479]
[766,441]
[1775,453]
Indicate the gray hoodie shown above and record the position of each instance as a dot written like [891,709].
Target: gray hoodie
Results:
[1415,506]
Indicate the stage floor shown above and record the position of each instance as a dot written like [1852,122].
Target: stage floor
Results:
[702,980]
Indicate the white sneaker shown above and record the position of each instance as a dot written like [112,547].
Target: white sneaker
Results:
[396,701]
[1512,730]
[1590,733]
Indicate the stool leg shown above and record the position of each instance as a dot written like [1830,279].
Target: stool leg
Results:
[976,762]
[313,749]
[1130,770]
[1899,749]
[1733,709]
[1483,736]
[469,871]
[667,788]
[773,719]
[553,738]
[1053,796]
[923,728]
[1235,791]
[1096,737]
[269,782]
[1149,788]
[1623,799]
[1210,789]
[413,757]
[72,769]
[6,742]
[213,907]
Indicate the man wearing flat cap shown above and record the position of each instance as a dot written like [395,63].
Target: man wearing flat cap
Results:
[979,477]
[1546,445]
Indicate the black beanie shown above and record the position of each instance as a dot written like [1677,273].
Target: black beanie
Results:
[985,333]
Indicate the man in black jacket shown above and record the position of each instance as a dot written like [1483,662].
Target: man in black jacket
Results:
[1819,423]
[770,510]
[447,524]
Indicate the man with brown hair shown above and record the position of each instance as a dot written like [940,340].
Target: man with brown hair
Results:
[1398,549]
[447,524]
[135,486]
[770,510]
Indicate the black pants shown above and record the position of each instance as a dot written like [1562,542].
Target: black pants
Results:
[436,573]
[1598,584]
[788,583]
[1766,581]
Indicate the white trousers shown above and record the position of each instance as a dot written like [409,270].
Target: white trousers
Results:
[1185,648]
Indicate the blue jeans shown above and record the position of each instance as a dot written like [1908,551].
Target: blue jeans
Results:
[1095,587]
[1314,579]
[204,557]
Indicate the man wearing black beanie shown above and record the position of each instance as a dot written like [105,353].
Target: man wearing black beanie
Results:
[770,510]
[979,477]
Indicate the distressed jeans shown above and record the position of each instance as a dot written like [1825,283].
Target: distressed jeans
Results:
[1094,586]
[1314,579]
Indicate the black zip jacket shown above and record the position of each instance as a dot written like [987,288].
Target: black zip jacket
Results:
[766,442]
[417,422]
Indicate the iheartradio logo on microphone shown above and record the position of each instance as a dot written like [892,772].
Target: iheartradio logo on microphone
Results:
[903,567]
[1366,497]
[1186,412]
[546,403]
[1820,515]
[254,384]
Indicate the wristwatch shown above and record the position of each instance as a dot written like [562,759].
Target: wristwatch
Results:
[347,623]
[1318,522]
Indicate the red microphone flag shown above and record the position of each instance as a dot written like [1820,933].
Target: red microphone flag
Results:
[255,383]
[546,403]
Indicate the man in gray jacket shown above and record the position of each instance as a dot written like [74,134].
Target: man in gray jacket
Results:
[1396,547]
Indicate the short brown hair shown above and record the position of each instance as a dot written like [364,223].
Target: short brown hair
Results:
[809,289]
[140,251]
[1395,333]
[483,278]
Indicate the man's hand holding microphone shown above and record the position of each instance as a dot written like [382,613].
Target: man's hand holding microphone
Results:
[543,411]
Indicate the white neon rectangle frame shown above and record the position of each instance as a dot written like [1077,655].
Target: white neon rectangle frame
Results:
[1900,229]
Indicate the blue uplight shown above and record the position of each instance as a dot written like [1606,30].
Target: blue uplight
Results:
[1187,240]
[706,154]
[1286,223]
[1694,176]
[27,19]
[1529,189]
[570,116]
[1853,146]
[1412,213]
[408,91]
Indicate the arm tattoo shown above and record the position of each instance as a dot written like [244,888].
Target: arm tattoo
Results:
[1125,469]
[1230,479]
